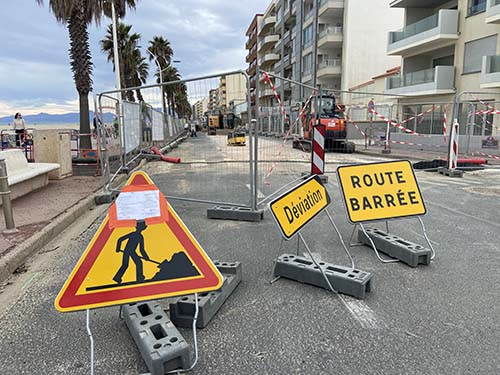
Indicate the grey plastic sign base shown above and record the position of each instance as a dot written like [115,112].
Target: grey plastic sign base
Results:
[407,252]
[182,309]
[235,213]
[450,172]
[161,345]
[345,280]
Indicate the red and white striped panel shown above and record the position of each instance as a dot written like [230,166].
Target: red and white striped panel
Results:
[318,150]
[453,154]
[444,123]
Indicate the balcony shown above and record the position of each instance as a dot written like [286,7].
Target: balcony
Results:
[267,23]
[251,55]
[287,37]
[330,37]
[331,8]
[286,61]
[268,59]
[437,31]
[265,93]
[428,4]
[490,72]
[329,68]
[267,42]
[493,11]
[435,81]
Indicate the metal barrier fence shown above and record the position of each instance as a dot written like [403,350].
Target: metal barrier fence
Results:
[126,129]
[218,168]
[280,121]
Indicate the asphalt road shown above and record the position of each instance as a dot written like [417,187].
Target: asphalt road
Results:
[436,319]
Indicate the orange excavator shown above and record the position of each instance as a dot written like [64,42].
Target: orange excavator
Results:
[332,116]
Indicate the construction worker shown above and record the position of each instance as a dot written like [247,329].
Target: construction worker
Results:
[134,240]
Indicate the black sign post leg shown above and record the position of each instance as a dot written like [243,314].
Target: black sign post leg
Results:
[433,252]
[375,247]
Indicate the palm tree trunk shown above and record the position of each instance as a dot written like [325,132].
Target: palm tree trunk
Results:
[81,65]
[85,141]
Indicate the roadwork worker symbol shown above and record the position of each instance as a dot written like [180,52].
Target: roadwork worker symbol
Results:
[134,240]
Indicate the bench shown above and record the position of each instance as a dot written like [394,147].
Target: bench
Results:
[25,177]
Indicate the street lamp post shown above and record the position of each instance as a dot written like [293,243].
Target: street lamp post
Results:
[160,74]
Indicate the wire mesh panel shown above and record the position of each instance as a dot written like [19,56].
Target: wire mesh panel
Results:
[280,123]
[478,115]
[199,122]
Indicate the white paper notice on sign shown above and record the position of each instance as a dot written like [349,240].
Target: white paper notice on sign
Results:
[138,205]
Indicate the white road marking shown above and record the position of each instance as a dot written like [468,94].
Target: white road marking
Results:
[432,183]
[259,193]
[421,235]
[362,313]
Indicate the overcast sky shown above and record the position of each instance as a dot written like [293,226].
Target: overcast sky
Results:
[207,36]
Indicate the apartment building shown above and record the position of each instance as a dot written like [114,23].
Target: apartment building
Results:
[213,96]
[447,47]
[251,58]
[232,90]
[199,109]
[332,43]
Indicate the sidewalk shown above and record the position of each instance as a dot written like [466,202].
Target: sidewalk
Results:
[39,214]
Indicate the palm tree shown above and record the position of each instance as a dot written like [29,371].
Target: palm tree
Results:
[133,67]
[77,15]
[169,74]
[160,48]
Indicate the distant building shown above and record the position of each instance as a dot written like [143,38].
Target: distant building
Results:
[199,109]
[232,90]
[251,59]
[332,43]
[213,95]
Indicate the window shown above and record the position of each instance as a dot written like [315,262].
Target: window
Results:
[476,6]
[446,60]
[473,123]
[475,50]
[307,38]
[430,123]
[307,63]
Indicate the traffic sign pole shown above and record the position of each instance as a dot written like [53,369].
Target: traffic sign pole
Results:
[91,338]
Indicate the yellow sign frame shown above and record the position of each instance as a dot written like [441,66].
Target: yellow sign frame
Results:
[305,209]
[401,179]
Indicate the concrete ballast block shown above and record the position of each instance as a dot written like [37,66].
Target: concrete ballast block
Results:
[408,252]
[235,213]
[345,280]
[182,308]
[161,345]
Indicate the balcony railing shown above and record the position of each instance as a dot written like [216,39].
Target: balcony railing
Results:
[415,28]
[490,72]
[411,79]
[309,15]
[330,63]
[331,30]
[494,62]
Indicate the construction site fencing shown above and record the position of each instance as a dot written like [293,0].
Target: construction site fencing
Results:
[279,121]
[218,170]
[478,115]
[126,129]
